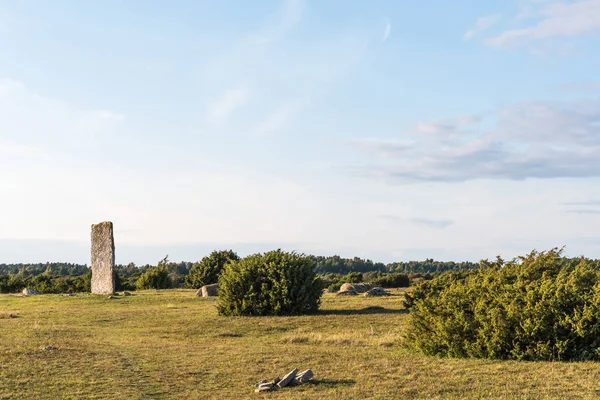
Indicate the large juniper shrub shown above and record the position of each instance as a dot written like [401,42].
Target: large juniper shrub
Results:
[273,283]
[207,271]
[539,307]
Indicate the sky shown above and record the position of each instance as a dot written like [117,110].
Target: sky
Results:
[389,130]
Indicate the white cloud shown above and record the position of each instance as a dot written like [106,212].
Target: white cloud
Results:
[31,120]
[556,19]
[387,31]
[527,140]
[221,109]
[481,25]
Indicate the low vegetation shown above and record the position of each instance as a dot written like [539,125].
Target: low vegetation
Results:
[273,283]
[170,344]
[539,307]
[208,270]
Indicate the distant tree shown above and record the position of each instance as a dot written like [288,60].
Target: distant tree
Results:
[155,278]
[207,271]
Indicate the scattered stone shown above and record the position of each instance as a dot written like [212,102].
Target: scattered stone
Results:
[260,383]
[126,294]
[29,292]
[376,291]
[49,348]
[304,376]
[103,258]
[276,380]
[264,387]
[288,378]
[209,290]
[111,297]
[350,292]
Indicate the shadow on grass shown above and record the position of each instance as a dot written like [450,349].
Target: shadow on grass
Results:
[333,382]
[361,311]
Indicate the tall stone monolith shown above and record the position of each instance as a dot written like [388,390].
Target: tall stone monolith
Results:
[103,258]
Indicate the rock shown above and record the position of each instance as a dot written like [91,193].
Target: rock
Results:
[111,297]
[126,294]
[103,258]
[199,293]
[276,380]
[288,378]
[376,291]
[304,376]
[347,293]
[260,383]
[264,387]
[49,348]
[29,292]
[347,287]
[209,290]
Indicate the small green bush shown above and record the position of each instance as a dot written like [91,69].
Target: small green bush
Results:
[207,271]
[539,307]
[154,278]
[392,280]
[273,283]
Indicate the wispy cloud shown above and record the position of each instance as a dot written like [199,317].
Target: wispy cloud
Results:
[528,140]
[30,120]
[481,25]
[278,119]
[585,212]
[387,31]
[427,222]
[582,203]
[551,19]
[222,108]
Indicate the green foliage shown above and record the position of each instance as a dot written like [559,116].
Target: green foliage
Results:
[391,280]
[273,283]
[539,307]
[155,278]
[46,283]
[207,271]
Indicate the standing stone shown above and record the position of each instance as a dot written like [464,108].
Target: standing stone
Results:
[103,258]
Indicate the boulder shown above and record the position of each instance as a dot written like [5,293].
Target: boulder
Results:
[264,387]
[29,292]
[209,290]
[286,380]
[304,376]
[376,291]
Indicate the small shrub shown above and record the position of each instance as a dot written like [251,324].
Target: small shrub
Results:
[154,278]
[539,307]
[273,283]
[207,271]
[392,281]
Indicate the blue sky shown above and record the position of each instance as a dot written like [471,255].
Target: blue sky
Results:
[383,129]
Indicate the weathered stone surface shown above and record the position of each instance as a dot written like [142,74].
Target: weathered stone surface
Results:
[29,292]
[264,387]
[304,376]
[103,258]
[210,290]
[288,378]
[376,291]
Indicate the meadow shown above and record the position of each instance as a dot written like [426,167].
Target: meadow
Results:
[169,344]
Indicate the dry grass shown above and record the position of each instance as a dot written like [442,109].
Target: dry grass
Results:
[172,345]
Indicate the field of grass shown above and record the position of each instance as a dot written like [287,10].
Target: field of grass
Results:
[172,345]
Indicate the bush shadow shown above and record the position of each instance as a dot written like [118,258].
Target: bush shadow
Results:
[362,311]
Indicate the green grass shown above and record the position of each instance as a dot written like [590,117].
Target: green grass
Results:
[172,345]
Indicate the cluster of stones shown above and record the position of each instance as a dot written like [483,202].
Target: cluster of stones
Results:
[208,290]
[352,289]
[292,378]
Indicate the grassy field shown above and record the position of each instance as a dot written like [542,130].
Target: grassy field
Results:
[172,345]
